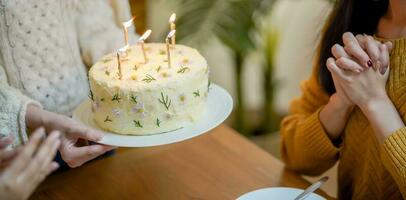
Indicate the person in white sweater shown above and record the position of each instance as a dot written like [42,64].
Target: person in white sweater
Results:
[46,48]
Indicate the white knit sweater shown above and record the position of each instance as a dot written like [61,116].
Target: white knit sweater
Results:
[45,48]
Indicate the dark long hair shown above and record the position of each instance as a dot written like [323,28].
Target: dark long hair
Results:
[356,16]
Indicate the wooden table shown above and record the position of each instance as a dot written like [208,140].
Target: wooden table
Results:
[220,164]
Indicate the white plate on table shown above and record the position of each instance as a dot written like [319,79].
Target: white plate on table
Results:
[219,106]
[278,193]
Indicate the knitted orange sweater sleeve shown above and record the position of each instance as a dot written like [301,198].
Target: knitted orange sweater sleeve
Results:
[306,147]
[393,154]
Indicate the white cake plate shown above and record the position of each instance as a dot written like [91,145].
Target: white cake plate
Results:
[219,106]
[280,193]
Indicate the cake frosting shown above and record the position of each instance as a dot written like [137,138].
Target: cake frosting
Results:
[151,97]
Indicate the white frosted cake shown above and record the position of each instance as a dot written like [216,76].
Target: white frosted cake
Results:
[150,98]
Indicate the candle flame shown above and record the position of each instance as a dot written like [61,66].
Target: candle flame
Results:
[128,23]
[145,35]
[172,18]
[171,34]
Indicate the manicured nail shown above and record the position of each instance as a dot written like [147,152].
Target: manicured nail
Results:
[369,63]
[383,70]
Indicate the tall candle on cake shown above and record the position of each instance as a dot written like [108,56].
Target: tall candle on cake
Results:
[141,41]
[121,53]
[127,25]
[168,50]
[172,27]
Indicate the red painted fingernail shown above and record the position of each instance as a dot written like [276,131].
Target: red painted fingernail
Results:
[369,63]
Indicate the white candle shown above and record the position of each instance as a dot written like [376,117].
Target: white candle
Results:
[120,74]
[168,51]
[120,53]
[126,25]
[172,27]
[141,41]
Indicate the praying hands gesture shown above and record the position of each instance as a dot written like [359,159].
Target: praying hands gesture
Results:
[360,70]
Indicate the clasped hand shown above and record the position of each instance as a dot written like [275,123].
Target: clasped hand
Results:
[360,69]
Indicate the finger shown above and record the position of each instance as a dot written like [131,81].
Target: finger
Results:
[26,153]
[386,72]
[8,154]
[74,128]
[79,130]
[39,164]
[389,45]
[353,48]
[39,177]
[379,67]
[338,51]
[79,155]
[336,83]
[348,64]
[361,40]
[52,167]
[5,141]
[48,149]
[384,54]
[383,68]
[90,134]
[335,70]
[372,47]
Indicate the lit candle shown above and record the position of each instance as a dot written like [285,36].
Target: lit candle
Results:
[141,40]
[168,51]
[121,52]
[172,26]
[126,25]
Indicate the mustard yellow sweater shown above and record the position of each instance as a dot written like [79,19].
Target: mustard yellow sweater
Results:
[367,169]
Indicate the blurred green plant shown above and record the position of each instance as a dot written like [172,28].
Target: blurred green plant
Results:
[232,22]
[268,37]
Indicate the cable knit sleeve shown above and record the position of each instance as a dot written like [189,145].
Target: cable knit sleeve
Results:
[12,111]
[97,29]
[305,145]
[393,154]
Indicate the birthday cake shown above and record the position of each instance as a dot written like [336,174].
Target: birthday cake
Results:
[143,98]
